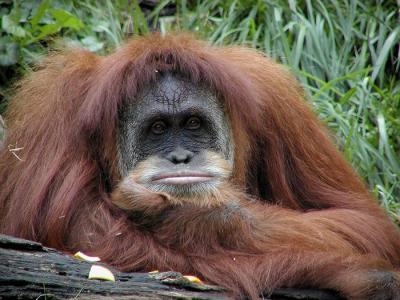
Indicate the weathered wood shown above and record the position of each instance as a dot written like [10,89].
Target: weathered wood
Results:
[30,271]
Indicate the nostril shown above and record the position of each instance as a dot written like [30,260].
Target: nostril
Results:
[180,156]
[189,157]
[175,160]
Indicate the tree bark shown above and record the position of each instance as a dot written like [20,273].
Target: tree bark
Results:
[30,271]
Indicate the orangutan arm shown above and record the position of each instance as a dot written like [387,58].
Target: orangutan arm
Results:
[269,247]
[275,247]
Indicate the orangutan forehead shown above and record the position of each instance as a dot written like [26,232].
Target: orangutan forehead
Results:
[172,90]
[173,93]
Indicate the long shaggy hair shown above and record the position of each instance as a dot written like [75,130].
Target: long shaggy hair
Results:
[64,119]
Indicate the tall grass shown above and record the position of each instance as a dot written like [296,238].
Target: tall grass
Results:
[345,53]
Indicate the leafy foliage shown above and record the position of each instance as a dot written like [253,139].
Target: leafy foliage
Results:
[345,52]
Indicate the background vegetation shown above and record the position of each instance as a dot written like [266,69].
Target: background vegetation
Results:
[345,52]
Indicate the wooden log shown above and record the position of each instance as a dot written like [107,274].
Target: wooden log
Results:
[30,271]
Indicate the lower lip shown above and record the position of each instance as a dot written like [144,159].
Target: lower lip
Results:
[181,180]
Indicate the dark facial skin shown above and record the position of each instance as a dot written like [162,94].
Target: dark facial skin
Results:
[173,126]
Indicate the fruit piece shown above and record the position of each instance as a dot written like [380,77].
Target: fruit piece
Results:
[85,257]
[100,272]
[193,279]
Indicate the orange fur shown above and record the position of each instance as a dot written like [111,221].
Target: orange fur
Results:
[314,223]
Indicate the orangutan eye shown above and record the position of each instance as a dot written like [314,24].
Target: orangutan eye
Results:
[158,127]
[193,123]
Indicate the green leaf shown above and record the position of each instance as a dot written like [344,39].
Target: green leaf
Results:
[346,97]
[12,27]
[379,67]
[384,144]
[139,20]
[65,19]
[47,30]
[41,10]
[8,52]
[92,44]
